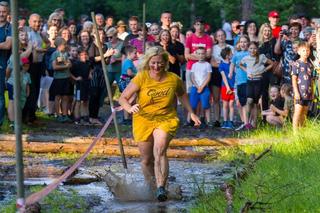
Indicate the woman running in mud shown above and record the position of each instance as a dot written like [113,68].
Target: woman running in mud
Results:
[155,119]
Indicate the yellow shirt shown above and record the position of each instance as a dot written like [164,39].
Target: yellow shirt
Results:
[157,104]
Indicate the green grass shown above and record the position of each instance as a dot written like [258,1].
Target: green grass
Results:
[285,180]
[56,201]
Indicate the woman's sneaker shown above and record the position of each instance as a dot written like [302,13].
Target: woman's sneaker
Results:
[230,125]
[241,127]
[161,194]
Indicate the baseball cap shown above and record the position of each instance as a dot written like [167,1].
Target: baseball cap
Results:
[274,14]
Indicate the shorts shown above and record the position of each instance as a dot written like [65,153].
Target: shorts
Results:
[82,90]
[188,81]
[242,94]
[10,91]
[62,87]
[216,78]
[303,102]
[123,82]
[204,97]
[225,96]
[254,90]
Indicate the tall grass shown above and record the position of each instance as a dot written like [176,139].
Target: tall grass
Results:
[285,180]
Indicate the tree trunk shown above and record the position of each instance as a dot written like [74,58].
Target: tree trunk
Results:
[247,8]
[108,150]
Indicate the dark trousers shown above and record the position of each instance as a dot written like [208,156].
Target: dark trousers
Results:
[30,108]
[94,101]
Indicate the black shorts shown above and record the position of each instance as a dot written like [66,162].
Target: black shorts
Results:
[254,89]
[242,94]
[62,87]
[82,90]
[216,78]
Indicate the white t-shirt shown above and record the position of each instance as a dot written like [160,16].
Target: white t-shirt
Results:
[200,71]
[216,52]
[227,28]
[253,68]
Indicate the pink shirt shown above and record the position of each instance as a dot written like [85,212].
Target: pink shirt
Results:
[194,42]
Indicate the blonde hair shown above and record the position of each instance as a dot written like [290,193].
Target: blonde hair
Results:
[154,51]
[238,42]
[260,35]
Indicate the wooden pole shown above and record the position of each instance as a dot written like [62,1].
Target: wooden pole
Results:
[104,67]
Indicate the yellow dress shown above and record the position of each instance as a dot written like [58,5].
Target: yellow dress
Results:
[157,105]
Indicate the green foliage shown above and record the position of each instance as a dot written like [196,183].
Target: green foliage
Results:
[286,180]
[56,201]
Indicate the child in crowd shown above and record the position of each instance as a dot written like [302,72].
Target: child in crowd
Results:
[200,77]
[254,65]
[128,71]
[25,88]
[227,89]
[61,85]
[273,116]
[81,73]
[240,77]
[302,83]
[286,93]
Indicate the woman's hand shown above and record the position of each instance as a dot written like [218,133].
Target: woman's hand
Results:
[134,109]
[195,119]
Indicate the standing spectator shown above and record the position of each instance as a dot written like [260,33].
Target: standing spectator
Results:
[25,88]
[134,26]
[73,30]
[114,67]
[166,19]
[196,40]
[65,34]
[108,23]
[81,73]
[215,83]
[284,46]
[178,46]
[266,46]
[100,20]
[274,19]
[254,66]
[97,84]
[122,30]
[40,45]
[62,87]
[165,42]
[200,92]
[228,30]
[251,30]
[227,89]
[235,26]
[85,40]
[154,31]
[302,83]
[5,47]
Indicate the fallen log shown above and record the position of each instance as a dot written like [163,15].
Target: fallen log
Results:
[108,150]
[126,141]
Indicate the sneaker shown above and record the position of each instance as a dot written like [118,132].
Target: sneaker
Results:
[230,125]
[216,124]
[241,127]
[11,125]
[224,125]
[161,194]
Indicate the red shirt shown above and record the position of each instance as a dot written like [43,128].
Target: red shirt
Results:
[276,31]
[194,42]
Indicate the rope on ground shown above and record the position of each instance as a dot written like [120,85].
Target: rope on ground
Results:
[35,197]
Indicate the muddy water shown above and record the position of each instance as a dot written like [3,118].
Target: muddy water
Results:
[186,180]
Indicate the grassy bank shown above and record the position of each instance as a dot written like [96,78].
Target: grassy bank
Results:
[285,180]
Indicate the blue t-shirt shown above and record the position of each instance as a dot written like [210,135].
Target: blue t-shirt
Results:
[240,75]
[128,64]
[5,31]
[224,67]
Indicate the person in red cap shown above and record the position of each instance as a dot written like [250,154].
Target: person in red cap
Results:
[274,18]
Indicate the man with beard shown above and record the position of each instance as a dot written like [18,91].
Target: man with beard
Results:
[5,46]
[36,68]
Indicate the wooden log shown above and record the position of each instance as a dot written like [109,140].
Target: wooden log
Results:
[126,141]
[109,150]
